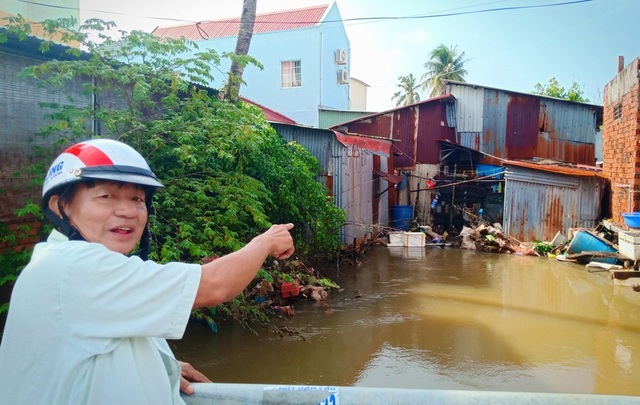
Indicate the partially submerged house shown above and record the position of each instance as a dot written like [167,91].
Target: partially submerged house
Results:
[507,126]
[415,131]
[545,197]
[349,164]
[350,171]
[453,147]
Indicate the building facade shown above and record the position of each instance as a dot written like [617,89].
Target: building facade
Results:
[305,54]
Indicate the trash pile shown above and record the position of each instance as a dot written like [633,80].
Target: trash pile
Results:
[487,238]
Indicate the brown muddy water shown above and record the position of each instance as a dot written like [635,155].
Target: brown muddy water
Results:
[443,319]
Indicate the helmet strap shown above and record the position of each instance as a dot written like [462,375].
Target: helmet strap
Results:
[63,224]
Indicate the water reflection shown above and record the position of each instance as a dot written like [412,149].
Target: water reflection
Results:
[444,319]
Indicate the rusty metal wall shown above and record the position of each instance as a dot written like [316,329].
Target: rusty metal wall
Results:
[567,131]
[357,193]
[538,204]
[405,128]
[434,122]
[417,128]
[349,170]
[521,132]
[513,125]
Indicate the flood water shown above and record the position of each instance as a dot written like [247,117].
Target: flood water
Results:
[443,319]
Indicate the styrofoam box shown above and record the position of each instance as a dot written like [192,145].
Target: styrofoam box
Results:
[629,244]
[414,239]
[396,239]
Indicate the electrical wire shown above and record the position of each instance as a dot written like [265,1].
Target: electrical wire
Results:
[354,19]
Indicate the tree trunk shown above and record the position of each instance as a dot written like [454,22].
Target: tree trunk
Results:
[247,21]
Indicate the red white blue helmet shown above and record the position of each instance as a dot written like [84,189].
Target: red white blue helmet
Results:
[98,159]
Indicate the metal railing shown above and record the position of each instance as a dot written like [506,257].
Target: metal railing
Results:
[254,394]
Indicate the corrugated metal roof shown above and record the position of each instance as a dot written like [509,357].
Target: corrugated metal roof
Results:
[445,97]
[561,168]
[472,85]
[229,27]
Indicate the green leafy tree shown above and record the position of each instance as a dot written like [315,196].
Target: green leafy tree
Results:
[408,93]
[554,89]
[444,64]
[228,174]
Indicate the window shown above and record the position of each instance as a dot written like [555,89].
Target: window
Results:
[291,73]
[617,111]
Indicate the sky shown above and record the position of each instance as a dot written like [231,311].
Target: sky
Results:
[509,44]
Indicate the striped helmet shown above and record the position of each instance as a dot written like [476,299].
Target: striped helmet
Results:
[98,159]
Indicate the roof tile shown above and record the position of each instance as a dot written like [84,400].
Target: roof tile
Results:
[229,27]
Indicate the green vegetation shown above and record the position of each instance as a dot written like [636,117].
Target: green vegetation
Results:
[408,93]
[542,247]
[554,89]
[228,174]
[444,64]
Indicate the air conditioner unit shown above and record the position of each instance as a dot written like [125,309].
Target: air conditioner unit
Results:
[341,56]
[343,76]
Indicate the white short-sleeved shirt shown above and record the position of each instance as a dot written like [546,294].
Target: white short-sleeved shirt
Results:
[87,325]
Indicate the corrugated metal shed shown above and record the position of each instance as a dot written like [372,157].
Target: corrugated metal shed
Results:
[542,199]
[229,27]
[348,164]
[418,127]
[512,125]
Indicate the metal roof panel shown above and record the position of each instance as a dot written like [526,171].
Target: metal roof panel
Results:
[229,27]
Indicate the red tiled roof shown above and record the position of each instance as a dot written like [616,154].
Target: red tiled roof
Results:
[229,27]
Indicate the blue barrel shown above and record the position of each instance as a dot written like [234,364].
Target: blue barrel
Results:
[401,216]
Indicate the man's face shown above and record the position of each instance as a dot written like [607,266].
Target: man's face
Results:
[109,213]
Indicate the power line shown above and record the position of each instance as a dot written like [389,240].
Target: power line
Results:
[355,19]
[422,16]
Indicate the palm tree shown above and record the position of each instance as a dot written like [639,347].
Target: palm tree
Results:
[408,93]
[445,64]
[247,21]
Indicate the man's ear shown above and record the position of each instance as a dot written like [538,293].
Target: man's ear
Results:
[53,205]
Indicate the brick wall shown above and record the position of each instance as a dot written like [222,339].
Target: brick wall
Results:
[621,140]
[22,149]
